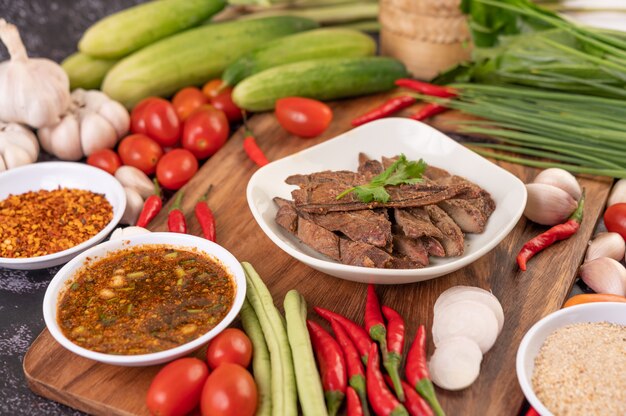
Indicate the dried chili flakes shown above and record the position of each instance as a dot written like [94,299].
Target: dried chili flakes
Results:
[45,222]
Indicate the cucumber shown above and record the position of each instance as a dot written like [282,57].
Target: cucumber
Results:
[322,79]
[314,44]
[193,57]
[124,32]
[86,72]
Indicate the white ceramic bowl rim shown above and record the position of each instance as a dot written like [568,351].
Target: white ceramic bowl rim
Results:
[112,184]
[181,241]
[523,376]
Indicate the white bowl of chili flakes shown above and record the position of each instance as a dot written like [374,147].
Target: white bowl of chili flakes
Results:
[123,302]
[51,211]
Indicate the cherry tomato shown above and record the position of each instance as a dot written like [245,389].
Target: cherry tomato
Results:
[615,219]
[224,101]
[105,159]
[177,388]
[156,118]
[187,100]
[205,132]
[229,391]
[176,168]
[140,151]
[303,117]
[230,346]
[212,88]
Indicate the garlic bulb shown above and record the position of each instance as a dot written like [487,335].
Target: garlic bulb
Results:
[561,179]
[18,146]
[121,233]
[93,122]
[547,204]
[604,275]
[606,245]
[131,177]
[32,91]
[618,193]
[134,205]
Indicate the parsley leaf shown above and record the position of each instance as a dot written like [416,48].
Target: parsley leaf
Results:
[401,171]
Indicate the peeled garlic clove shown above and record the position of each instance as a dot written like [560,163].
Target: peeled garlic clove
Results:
[618,193]
[547,204]
[606,245]
[562,179]
[134,205]
[604,275]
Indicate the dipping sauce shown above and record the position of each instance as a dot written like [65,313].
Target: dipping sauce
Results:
[145,299]
[581,370]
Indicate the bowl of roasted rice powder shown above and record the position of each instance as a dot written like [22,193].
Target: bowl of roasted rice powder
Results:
[573,361]
[51,211]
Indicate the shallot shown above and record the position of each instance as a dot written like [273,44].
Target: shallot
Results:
[618,193]
[606,245]
[562,179]
[604,275]
[457,293]
[121,233]
[547,204]
[131,177]
[134,204]
[455,364]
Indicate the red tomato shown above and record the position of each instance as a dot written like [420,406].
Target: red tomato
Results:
[229,391]
[230,346]
[140,151]
[176,389]
[176,168]
[212,88]
[303,117]
[187,100]
[156,118]
[205,132]
[615,219]
[105,159]
[224,101]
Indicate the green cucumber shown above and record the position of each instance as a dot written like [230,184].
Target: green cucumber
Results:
[322,79]
[86,72]
[314,44]
[193,57]
[124,32]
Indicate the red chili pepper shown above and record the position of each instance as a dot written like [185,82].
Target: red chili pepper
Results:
[532,412]
[176,219]
[426,88]
[151,207]
[415,405]
[387,108]
[395,344]
[332,366]
[356,372]
[429,110]
[554,234]
[416,371]
[353,404]
[375,326]
[253,150]
[380,397]
[205,217]
[356,333]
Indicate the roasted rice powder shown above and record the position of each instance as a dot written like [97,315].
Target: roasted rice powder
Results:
[44,222]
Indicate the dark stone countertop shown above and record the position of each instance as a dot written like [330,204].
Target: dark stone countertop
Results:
[51,29]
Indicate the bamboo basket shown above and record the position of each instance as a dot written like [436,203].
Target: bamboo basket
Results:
[429,36]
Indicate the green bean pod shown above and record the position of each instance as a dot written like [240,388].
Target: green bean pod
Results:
[308,379]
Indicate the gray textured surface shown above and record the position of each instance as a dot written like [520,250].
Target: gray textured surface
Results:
[49,29]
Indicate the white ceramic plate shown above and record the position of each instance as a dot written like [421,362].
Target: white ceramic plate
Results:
[51,175]
[388,137]
[66,273]
[613,312]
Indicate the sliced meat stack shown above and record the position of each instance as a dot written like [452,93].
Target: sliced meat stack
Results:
[418,221]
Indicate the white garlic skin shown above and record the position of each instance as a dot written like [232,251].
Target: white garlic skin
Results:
[547,204]
[35,92]
[561,179]
[618,193]
[604,275]
[18,146]
[610,245]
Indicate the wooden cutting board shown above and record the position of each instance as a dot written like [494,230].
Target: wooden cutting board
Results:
[526,297]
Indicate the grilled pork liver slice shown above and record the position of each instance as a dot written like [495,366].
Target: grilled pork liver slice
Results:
[369,167]
[416,223]
[471,215]
[433,246]
[413,249]
[362,254]
[452,240]
[367,226]
[286,217]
